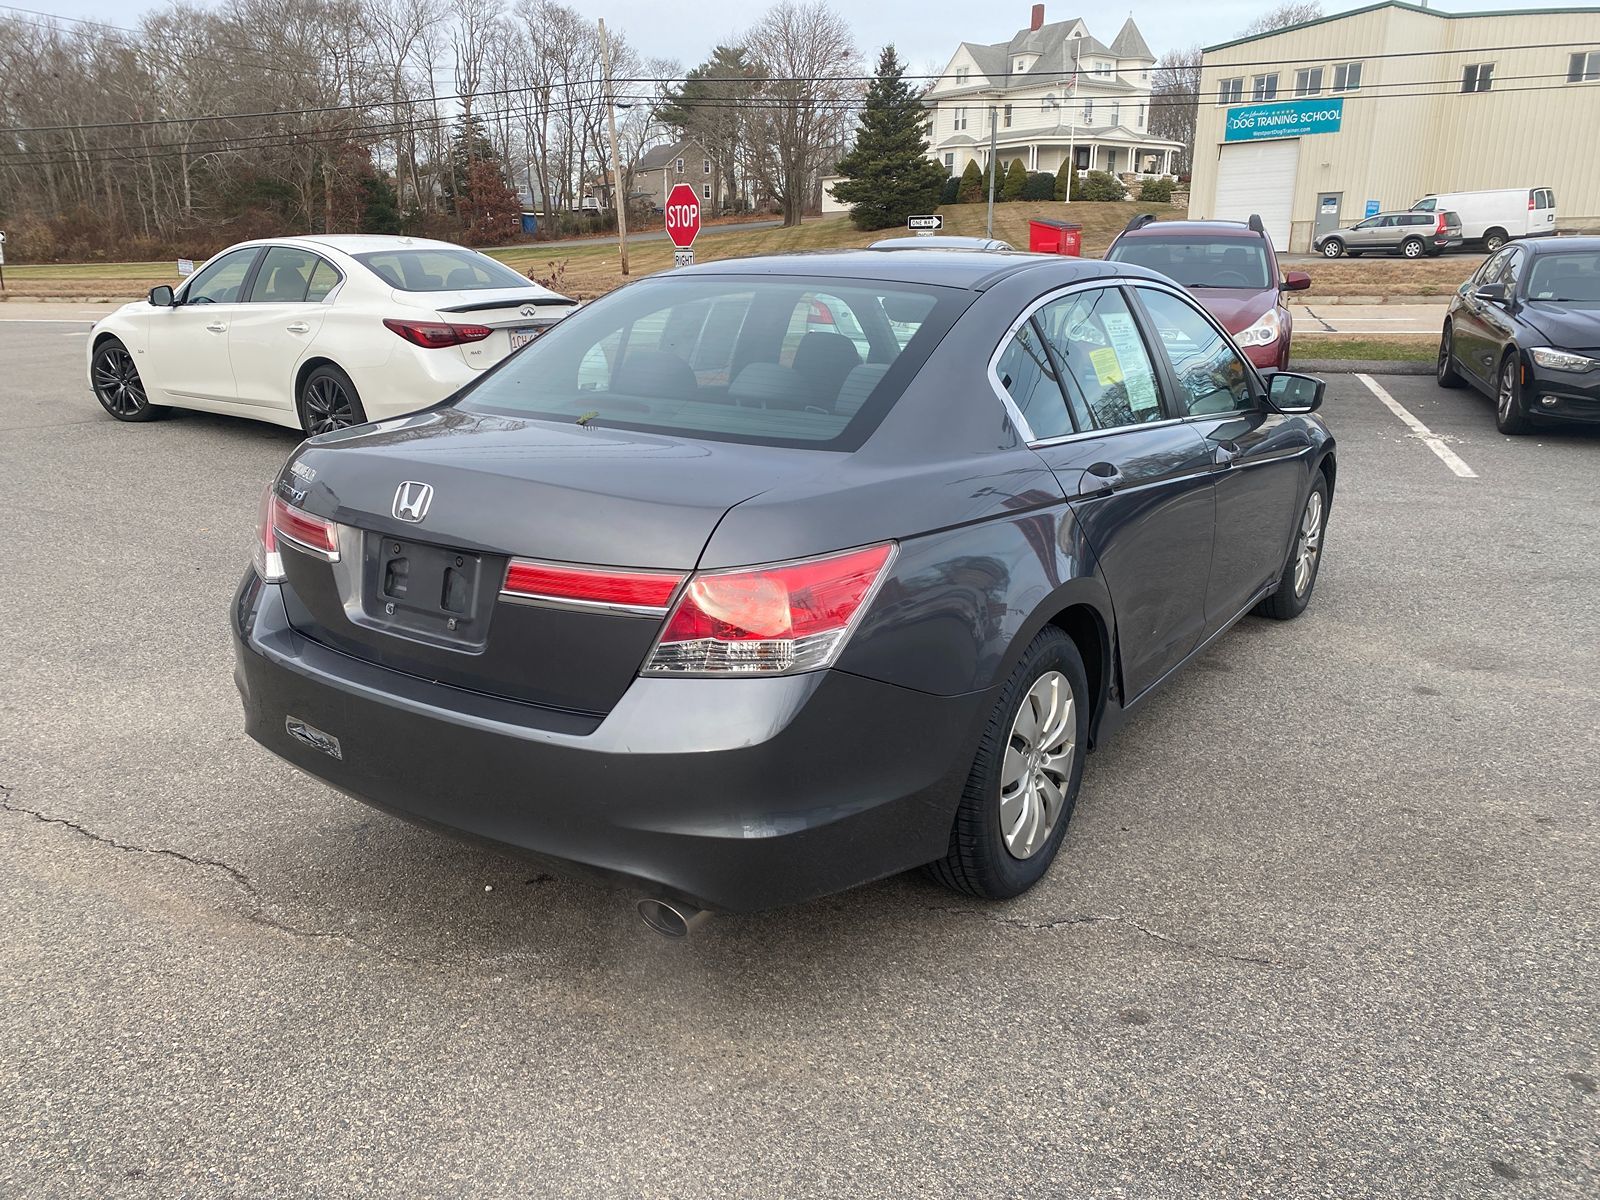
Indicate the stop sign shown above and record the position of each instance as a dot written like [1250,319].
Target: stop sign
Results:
[683,216]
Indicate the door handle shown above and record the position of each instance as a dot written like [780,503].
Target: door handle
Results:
[1099,479]
[217,327]
[299,327]
[1223,454]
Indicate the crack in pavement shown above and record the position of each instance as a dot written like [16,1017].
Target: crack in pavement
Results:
[257,915]
[1276,964]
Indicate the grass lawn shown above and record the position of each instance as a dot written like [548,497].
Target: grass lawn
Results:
[1398,347]
[589,271]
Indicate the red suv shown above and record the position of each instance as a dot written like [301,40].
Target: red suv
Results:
[1231,269]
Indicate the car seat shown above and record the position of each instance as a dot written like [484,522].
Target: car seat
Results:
[655,373]
[823,360]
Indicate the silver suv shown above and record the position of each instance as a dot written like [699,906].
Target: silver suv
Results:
[1411,234]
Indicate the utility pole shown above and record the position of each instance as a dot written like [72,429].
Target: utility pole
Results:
[988,227]
[618,199]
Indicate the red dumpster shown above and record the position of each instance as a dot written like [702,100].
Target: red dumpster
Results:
[1054,237]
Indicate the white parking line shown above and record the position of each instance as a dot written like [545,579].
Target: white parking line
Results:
[1432,440]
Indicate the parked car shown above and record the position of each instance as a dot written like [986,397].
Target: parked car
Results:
[649,600]
[317,332]
[1495,217]
[1409,234]
[1232,270]
[1525,330]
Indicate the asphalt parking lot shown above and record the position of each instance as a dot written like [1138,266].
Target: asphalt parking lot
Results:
[1326,923]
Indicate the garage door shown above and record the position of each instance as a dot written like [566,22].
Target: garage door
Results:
[1258,177]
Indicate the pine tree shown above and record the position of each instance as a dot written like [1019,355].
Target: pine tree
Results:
[889,176]
[1016,178]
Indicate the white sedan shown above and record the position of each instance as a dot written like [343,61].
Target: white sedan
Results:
[317,333]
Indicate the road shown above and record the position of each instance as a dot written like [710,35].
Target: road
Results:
[1325,925]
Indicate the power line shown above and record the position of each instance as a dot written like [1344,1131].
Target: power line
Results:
[240,143]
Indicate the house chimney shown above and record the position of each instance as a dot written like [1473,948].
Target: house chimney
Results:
[1038,17]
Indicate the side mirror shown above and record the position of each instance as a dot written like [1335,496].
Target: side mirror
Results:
[1294,393]
[1296,281]
[1494,293]
[161,297]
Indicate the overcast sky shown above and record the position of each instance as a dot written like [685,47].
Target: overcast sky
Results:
[925,31]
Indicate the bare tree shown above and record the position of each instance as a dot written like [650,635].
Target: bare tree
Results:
[809,98]
[1290,12]
[1174,100]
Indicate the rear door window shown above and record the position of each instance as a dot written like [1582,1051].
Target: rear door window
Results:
[284,277]
[1105,366]
[1028,374]
[772,360]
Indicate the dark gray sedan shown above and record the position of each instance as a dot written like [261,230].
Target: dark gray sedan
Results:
[698,592]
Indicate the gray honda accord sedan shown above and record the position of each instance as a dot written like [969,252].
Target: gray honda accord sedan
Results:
[761,579]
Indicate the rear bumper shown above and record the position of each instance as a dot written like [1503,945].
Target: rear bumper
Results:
[736,795]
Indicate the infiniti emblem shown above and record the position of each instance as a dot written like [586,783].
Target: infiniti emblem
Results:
[411,500]
[529,310]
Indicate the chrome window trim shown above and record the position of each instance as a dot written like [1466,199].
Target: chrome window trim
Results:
[1116,281]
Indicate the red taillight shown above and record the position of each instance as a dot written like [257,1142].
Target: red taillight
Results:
[1439,227]
[1530,202]
[268,562]
[590,586]
[820,314]
[434,335]
[768,620]
[303,530]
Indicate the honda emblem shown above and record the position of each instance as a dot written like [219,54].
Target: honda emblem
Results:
[411,500]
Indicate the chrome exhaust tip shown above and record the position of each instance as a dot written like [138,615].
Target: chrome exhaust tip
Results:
[671,918]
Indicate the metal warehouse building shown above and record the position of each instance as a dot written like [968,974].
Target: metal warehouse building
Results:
[1314,125]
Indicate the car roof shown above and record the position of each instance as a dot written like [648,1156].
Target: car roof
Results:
[976,270]
[940,241]
[1560,244]
[1236,229]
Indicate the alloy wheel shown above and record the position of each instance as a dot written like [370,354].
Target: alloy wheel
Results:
[1412,250]
[117,382]
[327,406]
[1037,771]
[1445,350]
[1309,545]
[1506,397]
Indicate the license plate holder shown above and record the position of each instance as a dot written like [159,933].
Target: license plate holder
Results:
[431,593]
[521,337]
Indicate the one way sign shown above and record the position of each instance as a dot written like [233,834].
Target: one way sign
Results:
[931,223]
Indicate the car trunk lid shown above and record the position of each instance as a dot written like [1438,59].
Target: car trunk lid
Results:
[514,316]
[424,596]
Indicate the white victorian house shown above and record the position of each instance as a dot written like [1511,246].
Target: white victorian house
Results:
[1050,91]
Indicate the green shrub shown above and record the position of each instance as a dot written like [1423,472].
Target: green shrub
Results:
[1041,185]
[971,190]
[1015,180]
[1158,190]
[1066,182]
[1098,185]
[951,187]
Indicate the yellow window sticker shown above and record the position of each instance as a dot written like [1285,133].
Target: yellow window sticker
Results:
[1106,366]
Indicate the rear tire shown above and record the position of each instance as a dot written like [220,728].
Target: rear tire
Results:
[1508,415]
[1445,370]
[117,384]
[1024,781]
[1493,239]
[1412,248]
[1305,558]
[1332,248]
[328,401]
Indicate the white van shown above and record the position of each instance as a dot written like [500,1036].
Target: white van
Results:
[1496,217]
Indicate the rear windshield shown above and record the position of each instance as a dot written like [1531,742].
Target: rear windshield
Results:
[1198,262]
[1572,278]
[780,361]
[439,270]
